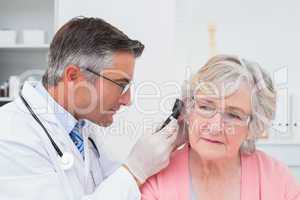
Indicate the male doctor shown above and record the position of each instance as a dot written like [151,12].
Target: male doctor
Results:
[44,152]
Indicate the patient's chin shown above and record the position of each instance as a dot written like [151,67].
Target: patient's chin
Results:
[209,151]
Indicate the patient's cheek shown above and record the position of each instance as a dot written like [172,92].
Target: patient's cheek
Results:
[195,131]
[235,141]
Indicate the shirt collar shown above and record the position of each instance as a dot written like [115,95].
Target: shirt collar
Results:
[66,119]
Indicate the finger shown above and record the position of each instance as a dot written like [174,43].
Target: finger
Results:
[172,148]
[172,138]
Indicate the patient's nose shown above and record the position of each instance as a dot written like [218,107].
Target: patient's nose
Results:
[216,124]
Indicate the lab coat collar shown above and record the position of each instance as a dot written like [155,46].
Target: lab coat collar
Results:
[44,110]
[66,119]
[38,103]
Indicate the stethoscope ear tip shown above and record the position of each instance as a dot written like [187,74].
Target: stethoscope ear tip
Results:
[66,161]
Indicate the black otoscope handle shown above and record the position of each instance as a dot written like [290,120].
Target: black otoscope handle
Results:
[175,113]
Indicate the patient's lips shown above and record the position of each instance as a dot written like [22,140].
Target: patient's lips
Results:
[214,141]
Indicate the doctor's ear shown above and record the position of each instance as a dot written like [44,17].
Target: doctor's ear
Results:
[72,73]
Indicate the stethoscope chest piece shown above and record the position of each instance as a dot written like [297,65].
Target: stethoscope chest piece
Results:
[66,161]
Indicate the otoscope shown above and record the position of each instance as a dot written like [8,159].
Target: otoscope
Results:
[175,113]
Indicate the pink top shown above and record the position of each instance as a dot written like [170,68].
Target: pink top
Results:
[263,178]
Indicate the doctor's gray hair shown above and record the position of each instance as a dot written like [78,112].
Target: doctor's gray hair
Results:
[227,72]
[86,43]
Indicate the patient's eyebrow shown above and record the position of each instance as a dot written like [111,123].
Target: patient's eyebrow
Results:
[205,100]
[237,109]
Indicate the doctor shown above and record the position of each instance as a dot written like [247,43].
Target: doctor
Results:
[45,152]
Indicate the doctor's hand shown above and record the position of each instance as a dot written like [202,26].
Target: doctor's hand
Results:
[152,152]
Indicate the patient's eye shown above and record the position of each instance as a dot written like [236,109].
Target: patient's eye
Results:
[206,107]
[234,116]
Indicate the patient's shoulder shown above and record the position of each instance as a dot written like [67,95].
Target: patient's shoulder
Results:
[178,161]
[177,167]
[274,174]
[266,163]
[171,181]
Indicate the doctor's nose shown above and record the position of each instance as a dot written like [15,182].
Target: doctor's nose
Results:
[125,99]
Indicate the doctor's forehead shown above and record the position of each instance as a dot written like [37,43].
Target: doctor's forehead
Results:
[122,66]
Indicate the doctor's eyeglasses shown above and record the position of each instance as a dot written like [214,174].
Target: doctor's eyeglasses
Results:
[124,86]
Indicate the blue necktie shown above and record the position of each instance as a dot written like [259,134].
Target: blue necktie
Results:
[77,137]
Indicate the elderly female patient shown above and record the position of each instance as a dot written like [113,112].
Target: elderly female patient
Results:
[229,105]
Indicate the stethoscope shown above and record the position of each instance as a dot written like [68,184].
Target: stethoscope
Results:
[66,158]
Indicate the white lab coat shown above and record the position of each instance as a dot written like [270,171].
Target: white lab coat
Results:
[30,167]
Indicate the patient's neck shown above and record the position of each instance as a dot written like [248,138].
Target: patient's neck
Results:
[214,168]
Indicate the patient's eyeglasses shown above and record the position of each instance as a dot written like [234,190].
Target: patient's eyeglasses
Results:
[230,116]
[124,86]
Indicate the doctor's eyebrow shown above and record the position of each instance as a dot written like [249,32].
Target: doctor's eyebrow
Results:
[126,80]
